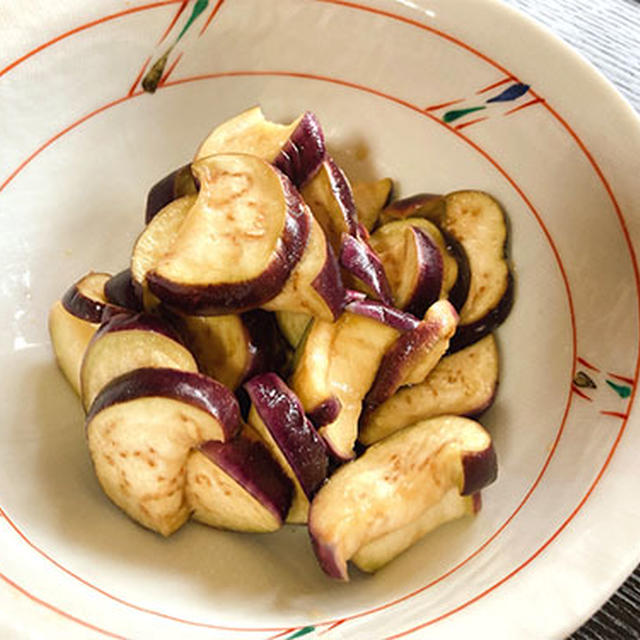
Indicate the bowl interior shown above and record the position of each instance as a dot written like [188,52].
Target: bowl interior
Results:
[382,88]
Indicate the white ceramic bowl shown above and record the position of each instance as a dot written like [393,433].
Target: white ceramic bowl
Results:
[81,144]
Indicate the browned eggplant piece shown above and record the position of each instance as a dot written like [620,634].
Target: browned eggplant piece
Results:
[237,485]
[370,199]
[296,149]
[463,383]
[394,482]
[278,417]
[127,342]
[141,429]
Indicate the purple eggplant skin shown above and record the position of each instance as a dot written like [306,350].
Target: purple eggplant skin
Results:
[359,259]
[344,196]
[251,465]
[392,317]
[469,333]
[223,298]
[304,151]
[283,415]
[327,411]
[431,267]
[460,290]
[128,321]
[480,469]
[120,291]
[81,306]
[267,347]
[328,284]
[420,205]
[193,388]
[178,183]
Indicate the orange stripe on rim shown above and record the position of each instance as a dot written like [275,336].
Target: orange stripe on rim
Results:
[417,109]
[82,27]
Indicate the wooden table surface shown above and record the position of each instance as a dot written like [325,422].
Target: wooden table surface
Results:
[607,33]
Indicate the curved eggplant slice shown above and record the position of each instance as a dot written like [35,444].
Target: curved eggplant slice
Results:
[337,364]
[237,485]
[119,290]
[394,482]
[277,415]
[314,286]
[85,299]
[477,221]
[154,242]
[460,289]
[464,383]
[330,199]
[417,262]
[141,429]
[297,149]
[293,325]
[420,205]
[379,552]
[70,337]
[127,342]
[370,199]
[177,184]
[238,244]
[413,355]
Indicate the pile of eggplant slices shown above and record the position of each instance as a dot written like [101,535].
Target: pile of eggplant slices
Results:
[288,346]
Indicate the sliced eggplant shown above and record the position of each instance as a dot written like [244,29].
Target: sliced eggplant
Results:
[238,244]
[379,552]
[330,199]
[293,325]
[128,342]
[314,286]
[237,485]
[231,348]
[394,482]
[413,355]
[85,299]
[370,199]
[278,417]
[70,337]
[364,267]
[177,184]
[390,316]
[141,429]
[420,205]
[297,149]
[154,242]
[463,383]
[417,263]
[340,361]
[120,291]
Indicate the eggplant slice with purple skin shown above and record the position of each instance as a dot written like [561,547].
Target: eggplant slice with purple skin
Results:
[237,485]
[463,383]
[394,482]
[126,342]
[296,149]
[141,429]
[337,364]
[278,417]
[238,244]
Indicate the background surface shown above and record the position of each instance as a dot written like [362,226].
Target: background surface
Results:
[607,33]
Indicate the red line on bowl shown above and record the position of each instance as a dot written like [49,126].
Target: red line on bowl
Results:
[580,393]
[496,84]
[584,150]
[82,27]
[522,106]
[464,125]
[630,381]
[522,195]
[588,365]
[211,17]
[138,77]
[178,13]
